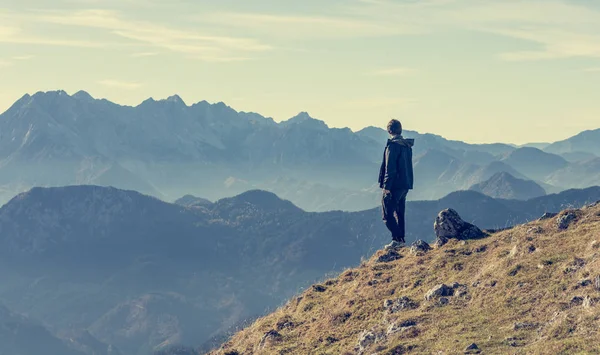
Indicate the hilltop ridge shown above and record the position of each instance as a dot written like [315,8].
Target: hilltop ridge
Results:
[534,288]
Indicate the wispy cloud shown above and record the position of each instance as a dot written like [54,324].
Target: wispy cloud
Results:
[398,71]
[377,102]
[592,70]
[120,84]
[23,57]
[5,63]
[188,42]
[555,29]
[306,26]
[144,54]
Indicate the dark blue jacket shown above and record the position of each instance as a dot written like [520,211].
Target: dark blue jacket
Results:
[396,171]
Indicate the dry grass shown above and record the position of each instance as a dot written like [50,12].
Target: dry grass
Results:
[530,290]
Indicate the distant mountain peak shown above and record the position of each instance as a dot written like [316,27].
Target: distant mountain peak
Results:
[504,185]
[175,99]
[83,95]
[305,119]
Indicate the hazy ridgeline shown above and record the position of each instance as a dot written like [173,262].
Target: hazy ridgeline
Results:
[168,149]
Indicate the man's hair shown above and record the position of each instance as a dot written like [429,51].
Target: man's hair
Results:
[394,127]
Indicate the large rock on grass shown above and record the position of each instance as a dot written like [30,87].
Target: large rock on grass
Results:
[449,225]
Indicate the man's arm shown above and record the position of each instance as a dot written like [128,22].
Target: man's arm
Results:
[391,166]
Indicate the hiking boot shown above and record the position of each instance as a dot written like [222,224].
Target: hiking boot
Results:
[394,245]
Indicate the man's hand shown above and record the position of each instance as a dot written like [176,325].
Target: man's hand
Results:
[385,192]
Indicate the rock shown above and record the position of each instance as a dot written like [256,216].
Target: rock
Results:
[547,215]
[597,283]
[443,301]
[481,249]
[366,339]
[584,283]
[531,249]
[319,288]
[564,221]
[420,247]
[574,266]
[577,301]
[473,346]
[389,256]
[401,304]
[472,349]
[587,302]
[535,230]
[402,326]
[440,242]
[448,224]
[593,204]
[439,291]
[269,337]
[525,325]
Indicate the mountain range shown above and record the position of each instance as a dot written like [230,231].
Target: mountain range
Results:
[125,273]
[166,148]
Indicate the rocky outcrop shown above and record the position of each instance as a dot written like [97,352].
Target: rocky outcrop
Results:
[419,247]
[449,225]
[565,219]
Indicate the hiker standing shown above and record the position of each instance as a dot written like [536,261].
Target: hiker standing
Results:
[396,178]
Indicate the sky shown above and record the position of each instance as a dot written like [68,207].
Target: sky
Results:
[512,71]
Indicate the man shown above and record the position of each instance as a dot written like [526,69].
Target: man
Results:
[396,178]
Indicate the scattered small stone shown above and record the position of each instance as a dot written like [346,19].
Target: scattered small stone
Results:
[575,265]
[548,215]
[481,249]
[400,350]
[389,256]
[513,341]
[401,304]
[476,283]
[587,302]
[366,339]
[531,249]
[576,301]
[564,221]
[593,204]
[319,288]
[408,323]
[400,327]
[584,283]
[515,270]
[270,336]
[330,340]
[535,230]
[340,318]
[597,283]
[285,323]
[373,282]
[330,282]
[440,242]
[472,349]
[420,247]
[439,291]
[525,326]
[443,301]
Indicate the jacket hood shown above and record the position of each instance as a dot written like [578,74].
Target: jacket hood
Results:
[409,142]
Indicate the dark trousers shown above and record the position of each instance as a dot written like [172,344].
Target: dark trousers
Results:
[393,206]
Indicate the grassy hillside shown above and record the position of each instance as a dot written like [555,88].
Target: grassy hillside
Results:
[532,289]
